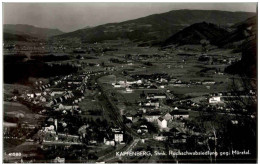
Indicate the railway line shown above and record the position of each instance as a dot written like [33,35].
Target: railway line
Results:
[115,113]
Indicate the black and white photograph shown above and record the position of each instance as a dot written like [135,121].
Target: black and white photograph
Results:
[129,82]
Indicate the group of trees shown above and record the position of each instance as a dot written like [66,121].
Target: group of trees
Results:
[20,71]
[49,58]
[236,131]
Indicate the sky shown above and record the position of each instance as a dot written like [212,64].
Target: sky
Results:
[72,16]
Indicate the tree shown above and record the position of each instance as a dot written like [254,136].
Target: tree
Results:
[204,43]
[212,125]
[15,92]
[223,129]
[243,90]
[243,101]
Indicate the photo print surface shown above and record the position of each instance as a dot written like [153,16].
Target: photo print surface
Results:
[130,82]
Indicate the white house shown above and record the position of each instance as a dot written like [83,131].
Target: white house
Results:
[155,96]
[208,82]
[143,129]
[214,100]
[119,136]
[162,122]
[50,128]
[129,116]
[129,90]
[234,122]
[180,115]
[109,142]
[116,85]
[38,94]
[139,82]
[68,107]
[159,137]
[43,99]
[152,102]
[168,117]
[30,95]
[151,118]
[61,107]
[53,93]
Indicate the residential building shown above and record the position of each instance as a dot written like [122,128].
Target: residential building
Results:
[162,122]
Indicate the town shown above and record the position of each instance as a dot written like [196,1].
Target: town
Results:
[112,111]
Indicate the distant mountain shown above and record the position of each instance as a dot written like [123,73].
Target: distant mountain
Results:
[15,37]
[22,29]
[87,27]
[248,63]
[241,31]
[195,33]
[252,21]
[246,33]
[157,27]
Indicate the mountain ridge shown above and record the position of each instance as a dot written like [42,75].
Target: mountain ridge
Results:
[195,33]
[156,27]
[24,29]
[241,31]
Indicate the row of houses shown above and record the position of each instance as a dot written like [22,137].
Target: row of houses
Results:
[160,119]
[68,102]
[60,96]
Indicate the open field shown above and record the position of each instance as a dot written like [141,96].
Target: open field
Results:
[14,109]
[9,89]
